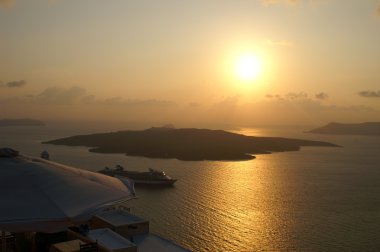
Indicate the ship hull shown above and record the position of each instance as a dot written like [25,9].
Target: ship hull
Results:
[142,178]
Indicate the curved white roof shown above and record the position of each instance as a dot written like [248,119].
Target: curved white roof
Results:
[40,195]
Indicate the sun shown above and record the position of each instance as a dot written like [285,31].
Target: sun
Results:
[248,67]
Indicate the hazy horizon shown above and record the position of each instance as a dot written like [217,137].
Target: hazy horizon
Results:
[141,125]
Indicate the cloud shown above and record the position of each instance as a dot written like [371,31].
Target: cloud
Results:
[274,96]
[76,95]
[118,101]
[353,108]
[288,96]
[229,101]
[369,94]
[303,110]
[75,103]
[294,108]
[59,95]
[279,43]
[321,96]
[292,96]
[302,101]
[268,2]
[14,84]
[296,96]
[88,99]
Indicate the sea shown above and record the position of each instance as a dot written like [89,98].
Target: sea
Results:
[315,199]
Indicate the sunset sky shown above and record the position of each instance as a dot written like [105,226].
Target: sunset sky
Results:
[178,61]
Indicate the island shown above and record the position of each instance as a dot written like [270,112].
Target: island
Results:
[20,122]
[364,129]
[185,144]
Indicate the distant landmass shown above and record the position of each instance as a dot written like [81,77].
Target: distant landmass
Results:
[20,122]
[365,129]
[185,144]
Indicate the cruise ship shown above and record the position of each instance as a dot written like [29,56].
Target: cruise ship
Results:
[151,177]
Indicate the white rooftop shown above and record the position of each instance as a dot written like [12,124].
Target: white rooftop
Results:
[109,239]
[119,217]
[152,243]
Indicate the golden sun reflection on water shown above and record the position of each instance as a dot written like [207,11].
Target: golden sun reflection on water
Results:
[241,209]
[305,200]
[250,131]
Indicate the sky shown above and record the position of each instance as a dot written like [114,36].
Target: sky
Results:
[175,61]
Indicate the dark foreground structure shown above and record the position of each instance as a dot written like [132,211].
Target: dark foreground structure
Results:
[50,207]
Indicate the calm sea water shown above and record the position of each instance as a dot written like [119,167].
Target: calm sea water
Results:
[316,199]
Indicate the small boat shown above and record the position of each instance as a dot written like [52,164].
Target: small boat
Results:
[45,155]
[151,177]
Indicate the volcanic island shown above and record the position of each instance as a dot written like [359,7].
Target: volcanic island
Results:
[187,144]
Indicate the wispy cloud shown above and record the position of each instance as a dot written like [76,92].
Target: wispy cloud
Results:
[300,95]
[72,103]
[274,96]
[298,107]
[369,94]
[280,43]
[281,103]
[321,96]
[76,95]
[288,96]
[59,95]
[289,108]
[296,96]
[268,2]
[14,84]
[118,101]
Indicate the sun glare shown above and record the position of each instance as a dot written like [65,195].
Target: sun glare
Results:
[248,67]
